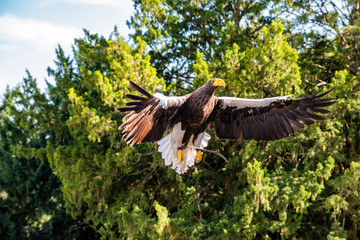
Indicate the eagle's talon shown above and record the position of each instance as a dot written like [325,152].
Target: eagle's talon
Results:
[198,156]
[180,155]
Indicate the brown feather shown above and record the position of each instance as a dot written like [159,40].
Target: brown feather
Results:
[140,90]
[135,97]
[147,121]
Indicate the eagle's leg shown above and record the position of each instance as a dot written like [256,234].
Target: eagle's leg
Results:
[198,156]
[185,141]
[198,137]
[180,154]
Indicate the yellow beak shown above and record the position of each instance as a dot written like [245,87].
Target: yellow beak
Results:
[219,82]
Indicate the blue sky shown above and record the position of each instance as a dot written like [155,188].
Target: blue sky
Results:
[31,30]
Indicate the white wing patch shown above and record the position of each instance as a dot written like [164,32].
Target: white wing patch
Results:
[169,145]
[246,102]
[166,102]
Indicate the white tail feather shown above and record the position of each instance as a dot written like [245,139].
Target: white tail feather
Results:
[169,145]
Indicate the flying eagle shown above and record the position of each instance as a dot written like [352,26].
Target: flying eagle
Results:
[230,118]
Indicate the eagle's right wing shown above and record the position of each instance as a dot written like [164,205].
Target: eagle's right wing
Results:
[149,117]
[265,119]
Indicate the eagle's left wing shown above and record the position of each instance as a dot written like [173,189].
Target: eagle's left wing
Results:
[265,119]
[149,117]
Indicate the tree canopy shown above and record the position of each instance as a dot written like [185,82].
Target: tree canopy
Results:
[66,173]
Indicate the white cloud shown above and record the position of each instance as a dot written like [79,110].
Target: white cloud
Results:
[87,2]
[41,35]
[29,43]
[7,47]
[95,2]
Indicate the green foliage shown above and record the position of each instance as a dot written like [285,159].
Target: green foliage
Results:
[31,201]
[201,71]
[271,62]
[175,31]
[303,187]
[268,190]
[326,32]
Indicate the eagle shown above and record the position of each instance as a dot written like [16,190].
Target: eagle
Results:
[187,117]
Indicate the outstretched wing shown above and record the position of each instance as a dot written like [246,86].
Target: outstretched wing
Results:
[149,116]
[266,119]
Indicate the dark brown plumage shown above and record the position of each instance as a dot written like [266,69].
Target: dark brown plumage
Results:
[272,122]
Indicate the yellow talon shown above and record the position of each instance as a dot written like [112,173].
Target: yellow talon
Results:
[198,156]
[180,155]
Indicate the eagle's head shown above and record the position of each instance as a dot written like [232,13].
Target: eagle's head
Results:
[210,86]
[216,82]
